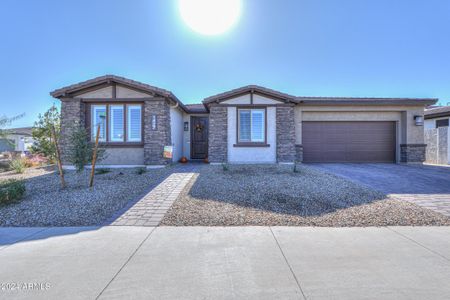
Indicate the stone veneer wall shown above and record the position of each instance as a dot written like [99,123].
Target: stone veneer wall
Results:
[286,151]
[437,140]
[218,134]
[72,114]
[155,140]
[412,153]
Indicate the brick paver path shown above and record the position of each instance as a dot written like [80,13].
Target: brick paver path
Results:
[426,186]
[150,210]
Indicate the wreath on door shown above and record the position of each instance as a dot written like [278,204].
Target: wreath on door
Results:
[198,127]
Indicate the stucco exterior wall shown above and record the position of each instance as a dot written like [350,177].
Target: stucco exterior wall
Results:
[105,92]
[252,154]
[176,127]
[123,156]
[123,92]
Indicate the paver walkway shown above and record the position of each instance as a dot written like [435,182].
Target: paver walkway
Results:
[150,210]
[426,186]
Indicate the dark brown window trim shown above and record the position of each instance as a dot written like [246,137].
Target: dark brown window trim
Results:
[122,145]
[249,144]
[107,143]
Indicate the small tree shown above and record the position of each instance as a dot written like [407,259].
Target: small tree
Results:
[42,133]
[81,150]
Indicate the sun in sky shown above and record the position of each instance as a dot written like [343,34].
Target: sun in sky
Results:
[210,17]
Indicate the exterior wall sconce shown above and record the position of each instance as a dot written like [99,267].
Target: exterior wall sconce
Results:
[186,126]
[418,120]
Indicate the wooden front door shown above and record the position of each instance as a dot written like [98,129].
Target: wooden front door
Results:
[199,137]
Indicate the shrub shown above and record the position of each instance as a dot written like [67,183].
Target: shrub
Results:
[225,167]
[18,165]
[36,160]
[141,171]
[11,190]
[81,149]
[102,171]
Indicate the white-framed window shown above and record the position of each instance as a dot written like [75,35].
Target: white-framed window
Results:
[98,113]
[134,123]
[116,123]
[251,125]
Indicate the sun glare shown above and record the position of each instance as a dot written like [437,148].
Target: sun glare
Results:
[210,17]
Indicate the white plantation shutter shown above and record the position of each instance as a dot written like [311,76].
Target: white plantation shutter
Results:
[244,126]
[97,112]
[116,123]
[251,125]
[257,134]
[134,123]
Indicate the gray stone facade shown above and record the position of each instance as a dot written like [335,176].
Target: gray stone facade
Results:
[437,140]
[218,134]
[298,153]
[156,138]
[73,113]
[285,128]
[412,153]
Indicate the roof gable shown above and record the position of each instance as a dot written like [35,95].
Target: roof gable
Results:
[249,89]
[105,80]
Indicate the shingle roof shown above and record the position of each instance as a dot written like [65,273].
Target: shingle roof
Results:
[434,112]
[20,131]
[366,100]
[196,108]
[249,88]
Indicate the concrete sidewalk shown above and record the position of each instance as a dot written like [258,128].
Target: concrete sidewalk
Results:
[116,262]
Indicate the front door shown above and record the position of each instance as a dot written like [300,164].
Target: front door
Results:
[199,137]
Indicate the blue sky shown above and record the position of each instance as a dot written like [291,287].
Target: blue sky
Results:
[379,48]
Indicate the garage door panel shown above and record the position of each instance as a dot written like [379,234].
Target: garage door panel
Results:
[348,141]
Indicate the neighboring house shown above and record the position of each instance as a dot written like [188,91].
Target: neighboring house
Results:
[437,116]
[437,135]
[17,139]
[251,124]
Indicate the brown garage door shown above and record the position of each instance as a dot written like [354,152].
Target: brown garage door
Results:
[348,141]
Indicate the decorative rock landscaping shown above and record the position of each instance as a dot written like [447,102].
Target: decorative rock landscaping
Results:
[275,195]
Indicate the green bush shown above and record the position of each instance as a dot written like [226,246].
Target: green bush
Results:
[81,149]
[18,165]
[102,171]
[141,171]
[11,190]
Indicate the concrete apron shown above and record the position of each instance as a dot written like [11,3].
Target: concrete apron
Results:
[226,262]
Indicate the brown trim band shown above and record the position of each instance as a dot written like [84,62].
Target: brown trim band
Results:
[255,105]
[413,145]
[250,145]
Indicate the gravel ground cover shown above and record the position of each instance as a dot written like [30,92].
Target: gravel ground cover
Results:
[275,195]
[46,204]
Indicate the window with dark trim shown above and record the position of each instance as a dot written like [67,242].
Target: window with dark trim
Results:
[119,123]
[442,123]
[251,125]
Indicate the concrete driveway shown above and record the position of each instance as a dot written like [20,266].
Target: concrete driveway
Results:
[427,186]
[115,262]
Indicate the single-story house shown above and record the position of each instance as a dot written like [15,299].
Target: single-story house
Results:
[251,124]
[436,117]
[17,139]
